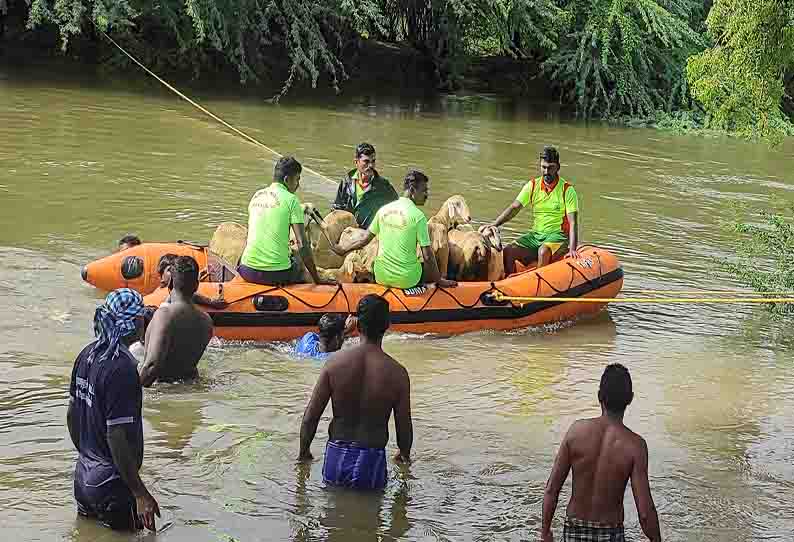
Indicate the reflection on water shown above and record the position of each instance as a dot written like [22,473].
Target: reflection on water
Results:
[81,165]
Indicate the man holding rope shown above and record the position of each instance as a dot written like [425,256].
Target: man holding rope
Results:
[273,211]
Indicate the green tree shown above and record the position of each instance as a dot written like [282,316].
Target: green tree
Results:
[253,36]
[740,79]
[625,57]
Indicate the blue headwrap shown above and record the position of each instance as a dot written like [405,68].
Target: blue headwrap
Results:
[114,320]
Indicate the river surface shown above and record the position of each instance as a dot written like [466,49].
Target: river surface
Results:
[82,164]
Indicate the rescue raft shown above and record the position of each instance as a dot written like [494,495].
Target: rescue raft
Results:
[273,313]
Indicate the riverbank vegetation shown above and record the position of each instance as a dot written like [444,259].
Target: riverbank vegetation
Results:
[765,256]
[718,64]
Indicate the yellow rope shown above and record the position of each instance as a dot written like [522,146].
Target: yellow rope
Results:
[696,292]
[205,111]
[528,299]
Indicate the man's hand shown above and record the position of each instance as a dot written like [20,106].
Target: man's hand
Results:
[446,283]
[547,537]
[350,324]
[304,457]
[399,458]
[574,254]
[147,509]
[325,281]
[484,227]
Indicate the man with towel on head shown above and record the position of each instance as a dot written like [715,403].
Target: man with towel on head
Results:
[365,385]
[104,419]
[604,455]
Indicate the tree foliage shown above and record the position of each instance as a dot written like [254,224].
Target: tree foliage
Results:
[765,261]
[740,79]
[624,57]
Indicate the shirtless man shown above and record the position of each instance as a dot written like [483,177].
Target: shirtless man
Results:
[365,385]
[604,455]
[179,332]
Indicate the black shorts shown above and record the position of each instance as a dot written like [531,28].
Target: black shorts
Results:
[112,504]
[293,275]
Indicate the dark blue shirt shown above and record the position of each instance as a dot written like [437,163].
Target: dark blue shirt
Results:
[309,345]
[105,394]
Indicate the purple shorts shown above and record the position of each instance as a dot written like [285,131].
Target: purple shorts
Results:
[355,467]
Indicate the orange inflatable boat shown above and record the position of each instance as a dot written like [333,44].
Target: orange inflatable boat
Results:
[272,313]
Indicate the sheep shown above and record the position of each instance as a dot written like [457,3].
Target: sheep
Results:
[476,256]
[228,242]
[453,212]
[334,224]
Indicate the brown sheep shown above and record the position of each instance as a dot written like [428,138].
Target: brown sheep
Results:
[475,256]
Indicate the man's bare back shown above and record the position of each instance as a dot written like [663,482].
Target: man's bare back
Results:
[179,332]
[602,454]
[366,385]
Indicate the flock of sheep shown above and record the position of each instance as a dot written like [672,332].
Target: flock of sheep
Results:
[462,253]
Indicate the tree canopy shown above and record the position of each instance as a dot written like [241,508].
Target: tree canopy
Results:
[728,62]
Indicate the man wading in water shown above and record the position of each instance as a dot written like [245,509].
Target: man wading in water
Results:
[365,385]
[604,455]
[179,332]
[104,419]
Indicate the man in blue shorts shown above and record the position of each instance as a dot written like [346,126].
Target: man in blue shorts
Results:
[104,419]
[333,328]
[365,385]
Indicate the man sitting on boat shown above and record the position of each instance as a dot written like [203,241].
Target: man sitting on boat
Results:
[363,191]
[331,333]
[400,226]
[271,213]
[554,205]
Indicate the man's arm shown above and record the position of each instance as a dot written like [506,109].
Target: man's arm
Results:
[158,343]
[127,465]
[207,302]
[314,410]
[559,473]
[402,421]
[573,242]
[646,510]
[433,274]
[71,423]
[341,249]
[506,216]
[341,203]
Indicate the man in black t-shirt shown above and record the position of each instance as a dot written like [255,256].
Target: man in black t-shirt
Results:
[104,419]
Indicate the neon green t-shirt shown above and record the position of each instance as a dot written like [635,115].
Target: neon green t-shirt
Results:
[400,227]
[270,214]
[548,209]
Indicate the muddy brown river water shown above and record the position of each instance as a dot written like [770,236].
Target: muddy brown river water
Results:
[82,163]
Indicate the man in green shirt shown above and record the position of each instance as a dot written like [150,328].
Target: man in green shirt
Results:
[400,226]
[273,211]
[554,207]
[363,191]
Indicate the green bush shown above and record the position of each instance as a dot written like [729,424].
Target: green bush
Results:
[765,257]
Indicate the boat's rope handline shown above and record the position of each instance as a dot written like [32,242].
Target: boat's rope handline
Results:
[585,277]
[550,285]
[650,300]
[176,91]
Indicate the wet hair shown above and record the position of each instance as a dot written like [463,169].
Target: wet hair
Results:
[364,148]
[165,261]
[615,392]
[332,326]
[373,316]
[131,240]
[414,178]
[287,166]
[185,275]
[550,154]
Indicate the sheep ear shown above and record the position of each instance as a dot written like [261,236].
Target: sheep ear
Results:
[451,209]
